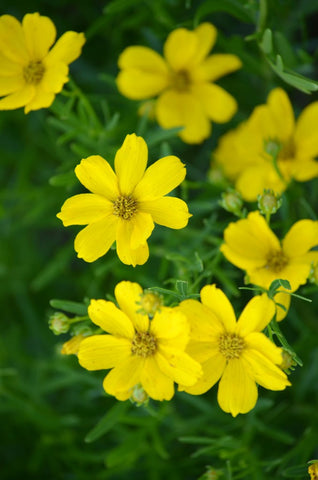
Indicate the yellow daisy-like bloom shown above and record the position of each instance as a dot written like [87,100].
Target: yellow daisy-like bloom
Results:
[182,80]
[139,351]
[246,153]
[124,204]
[313,471]
[251,245]
[31,74]
[234,352]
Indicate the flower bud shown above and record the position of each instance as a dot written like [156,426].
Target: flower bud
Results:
[272,147]
[59,323]
[269,202]
[139,396]
[313,274]
[150,303]
[288,361]
[232,202]
[313,470]
[71,347]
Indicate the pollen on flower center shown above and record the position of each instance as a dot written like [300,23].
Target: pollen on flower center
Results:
[125,207]
[144,344]
[33,72]
[231,345]
[287,150]
[276,261]
[181,80]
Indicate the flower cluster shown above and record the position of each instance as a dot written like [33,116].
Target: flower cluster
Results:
[270,149]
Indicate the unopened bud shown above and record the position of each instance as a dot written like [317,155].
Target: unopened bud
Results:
[288,361]
[269,202]
[211,474]
[139,396]
[216,175]
[272,147]
[149,303]
[232,201]
[313,470]
[59,323]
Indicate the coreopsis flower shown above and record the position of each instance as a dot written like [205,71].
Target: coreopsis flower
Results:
[183,81]
[313,470]
[271,148]
[30,73]
[234,352]
[140,352]
[251,245]
[124,205]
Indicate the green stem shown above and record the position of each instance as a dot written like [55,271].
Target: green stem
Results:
[262,16]
[90,110]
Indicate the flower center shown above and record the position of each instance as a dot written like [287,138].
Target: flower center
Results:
[33,72]
[124,207]
[181,80]
[231,345]
[276,261]
[144,344]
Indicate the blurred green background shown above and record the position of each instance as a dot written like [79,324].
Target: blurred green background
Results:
[49,405]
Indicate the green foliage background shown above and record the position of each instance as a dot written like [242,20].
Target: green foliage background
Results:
[56,421]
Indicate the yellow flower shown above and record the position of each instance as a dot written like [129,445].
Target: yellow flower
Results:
[234,352]
[138,350]
[246,153]
[124,204]
[251,245]
[313,470]
[31,74]
[183,80]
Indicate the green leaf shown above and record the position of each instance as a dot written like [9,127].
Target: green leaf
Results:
[182,287]
[232,7]
[112,417]
[266,43]
[71,307]
[63,179]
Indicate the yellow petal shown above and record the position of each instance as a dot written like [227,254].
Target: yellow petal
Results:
[96,175]
[124,376]
[301,237]
[160,178]
[257,314]
[40,34]
[296,272]
[41,99]
[304,169]
[282,299]
[167,211]
[9,68]
[54,77]
[178,366]
[18,99]
[206,34]
[282,113]
[177,109]
[96,239]
[128,296]
[217,104]
[12,40]
[103,351]
[84,208]
[202,351]
[155,382]
[67,49]
[249,241]
[237,391]
[130,163]
[204,324]
[10,84]
[142,227]
[305,133]
[213,369]
[259,342]
[265,372]
[144,73]
[218,65]
[123,244]
[180,47]
[171,327]
[220,306]
[112,320]
[254,179]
